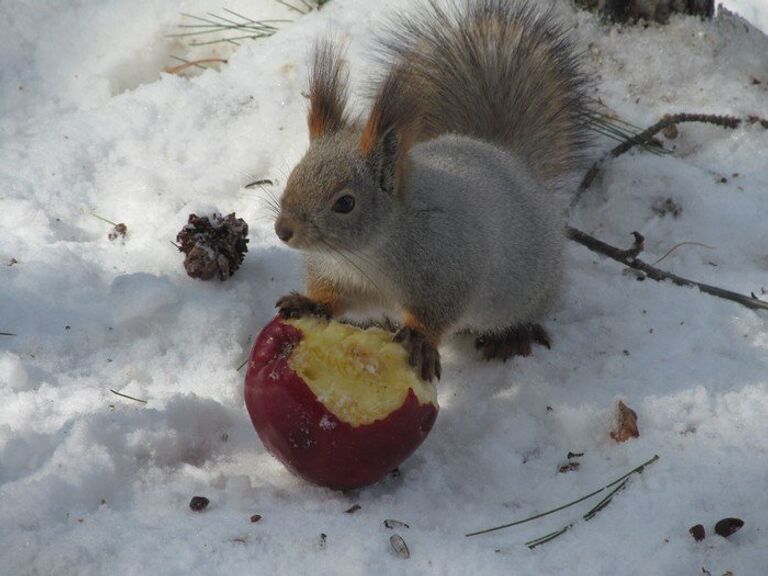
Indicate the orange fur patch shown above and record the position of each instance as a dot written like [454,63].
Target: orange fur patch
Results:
[318,123]
[370,136]
[412,321]
[327,293]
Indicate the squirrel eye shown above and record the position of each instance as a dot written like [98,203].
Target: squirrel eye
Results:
[344,204]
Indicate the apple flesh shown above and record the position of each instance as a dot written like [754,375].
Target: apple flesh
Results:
[337,405]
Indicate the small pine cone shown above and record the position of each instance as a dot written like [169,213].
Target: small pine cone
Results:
[213,245]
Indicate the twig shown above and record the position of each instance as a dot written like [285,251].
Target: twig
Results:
[629,259]
[126,396]
[243,364]
[187,61]
[564,506]
[182,67]
[7,334]
[644,138]
[676,246]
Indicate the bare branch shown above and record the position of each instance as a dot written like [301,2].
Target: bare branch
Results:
[629,258]
[645,138]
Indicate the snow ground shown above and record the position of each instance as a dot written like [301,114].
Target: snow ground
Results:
[91,483]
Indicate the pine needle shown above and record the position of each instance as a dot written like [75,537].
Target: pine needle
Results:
[290,6]
[126,396]
[620,481]
[679,244]
[588,516]
[103,219]
[248,28]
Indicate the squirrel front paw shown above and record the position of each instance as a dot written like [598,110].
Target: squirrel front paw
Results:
[422,354]
[295,305]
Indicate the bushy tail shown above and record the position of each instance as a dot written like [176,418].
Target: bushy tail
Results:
[499,70]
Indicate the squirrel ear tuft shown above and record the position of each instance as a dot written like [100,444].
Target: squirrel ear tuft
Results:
[391,130]
[327,91]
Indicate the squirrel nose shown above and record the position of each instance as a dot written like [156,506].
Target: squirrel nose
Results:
[283,230]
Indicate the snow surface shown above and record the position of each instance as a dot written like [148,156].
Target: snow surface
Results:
[93,483]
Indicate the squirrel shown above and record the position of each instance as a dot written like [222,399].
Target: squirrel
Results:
[443,203]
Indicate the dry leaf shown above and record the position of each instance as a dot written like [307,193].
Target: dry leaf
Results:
[119,231]
[627,424]
[570,467]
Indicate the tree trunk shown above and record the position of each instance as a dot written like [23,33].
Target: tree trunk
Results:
[650,10]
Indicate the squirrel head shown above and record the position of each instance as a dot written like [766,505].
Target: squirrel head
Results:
[344,191]
[334,199]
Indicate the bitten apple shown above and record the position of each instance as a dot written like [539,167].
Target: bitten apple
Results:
[339,406]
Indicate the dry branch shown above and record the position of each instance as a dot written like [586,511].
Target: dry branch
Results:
[629,258]
[645,138]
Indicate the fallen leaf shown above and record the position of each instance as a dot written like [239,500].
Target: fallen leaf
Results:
[119,231]
[569,467]
[627,424]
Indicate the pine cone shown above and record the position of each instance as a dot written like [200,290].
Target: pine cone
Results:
[213,245]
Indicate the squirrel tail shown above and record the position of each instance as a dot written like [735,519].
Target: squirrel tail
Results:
[498,70]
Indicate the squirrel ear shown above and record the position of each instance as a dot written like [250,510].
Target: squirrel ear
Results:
[391,130]
[327,91]
[384,161]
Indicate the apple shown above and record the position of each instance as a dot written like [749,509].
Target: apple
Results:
[338,405]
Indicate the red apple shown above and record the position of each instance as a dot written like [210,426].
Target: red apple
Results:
[339,406]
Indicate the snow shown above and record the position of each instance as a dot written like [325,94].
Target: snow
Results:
[91,482]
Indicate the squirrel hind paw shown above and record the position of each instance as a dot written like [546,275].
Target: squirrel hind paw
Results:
[295,305]
[515,341]
[422,354]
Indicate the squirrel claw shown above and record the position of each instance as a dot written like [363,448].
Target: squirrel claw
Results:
[295,305]
[422,354]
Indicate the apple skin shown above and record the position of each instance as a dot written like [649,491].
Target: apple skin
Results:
[311,441]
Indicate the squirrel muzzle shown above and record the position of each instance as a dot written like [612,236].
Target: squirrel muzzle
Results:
[284,228]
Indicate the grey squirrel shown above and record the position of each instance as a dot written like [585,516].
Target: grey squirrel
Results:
[442,204]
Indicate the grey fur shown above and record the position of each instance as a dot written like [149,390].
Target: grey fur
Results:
[470,235]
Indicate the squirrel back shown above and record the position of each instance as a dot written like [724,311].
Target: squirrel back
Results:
[502,71]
